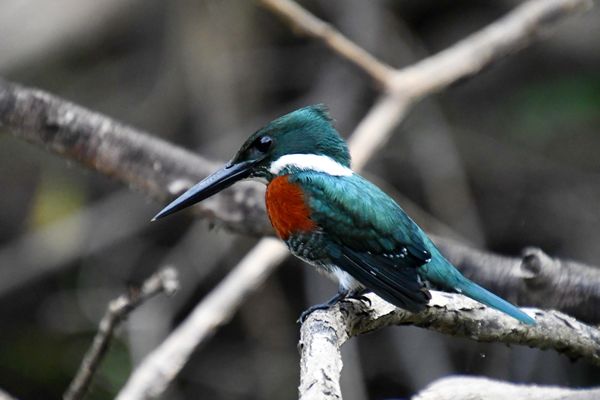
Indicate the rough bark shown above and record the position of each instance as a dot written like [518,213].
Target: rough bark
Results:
[324,332]
[469,388]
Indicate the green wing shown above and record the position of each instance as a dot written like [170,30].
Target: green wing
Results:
[369,236]
[356,213]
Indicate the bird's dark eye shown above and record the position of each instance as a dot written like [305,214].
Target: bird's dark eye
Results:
[263,144]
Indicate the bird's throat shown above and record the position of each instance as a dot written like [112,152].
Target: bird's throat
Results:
[287,208]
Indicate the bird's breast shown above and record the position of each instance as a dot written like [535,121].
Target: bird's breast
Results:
[287,208]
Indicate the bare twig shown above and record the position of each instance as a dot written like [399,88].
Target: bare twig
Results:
[324,332]
[466,387]
[524,24]
[156,371]
[118,309]
[306,23]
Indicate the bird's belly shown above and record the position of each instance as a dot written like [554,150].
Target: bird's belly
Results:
[309,248]
[344,279]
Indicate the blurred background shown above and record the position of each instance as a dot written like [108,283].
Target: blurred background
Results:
[503,160]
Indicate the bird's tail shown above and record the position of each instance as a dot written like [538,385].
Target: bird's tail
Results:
[442,273]
[476,292]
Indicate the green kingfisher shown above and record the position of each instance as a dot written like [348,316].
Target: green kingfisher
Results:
[336,220]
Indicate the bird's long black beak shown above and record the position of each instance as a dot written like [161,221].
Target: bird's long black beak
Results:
[212,184]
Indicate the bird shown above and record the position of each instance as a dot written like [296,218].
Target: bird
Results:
[336,220]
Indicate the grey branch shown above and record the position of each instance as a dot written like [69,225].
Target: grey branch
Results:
[324,332]
[164,280]
[308,24]
[158,168]
[535,279]
[5,396]
[520,27]
[468,388]
[159,368]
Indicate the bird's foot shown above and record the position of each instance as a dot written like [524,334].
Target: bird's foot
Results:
[360,295]
[323,306]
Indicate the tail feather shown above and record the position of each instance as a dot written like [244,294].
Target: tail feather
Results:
[442,273]
[480,294]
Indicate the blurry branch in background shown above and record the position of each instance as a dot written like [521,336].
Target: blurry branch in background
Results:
[324,332]
[466,387]
[306,23]
[164,280]
[5,396]
[151,378]
[158,168]
[40,253]
[535,279]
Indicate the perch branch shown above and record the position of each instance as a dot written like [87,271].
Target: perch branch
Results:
[466,387]
[118,309]
[324,332]
[535,279]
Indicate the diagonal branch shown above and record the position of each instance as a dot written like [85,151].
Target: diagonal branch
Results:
[528,22]
[157,371]
[308,24]
[324,332]
[5,396]
[118,309]
[158,168]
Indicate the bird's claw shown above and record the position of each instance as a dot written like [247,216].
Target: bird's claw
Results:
[363,299]
[310,310]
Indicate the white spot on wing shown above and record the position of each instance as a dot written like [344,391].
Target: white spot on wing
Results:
[312,162]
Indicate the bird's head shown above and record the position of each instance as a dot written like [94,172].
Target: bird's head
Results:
[302,139]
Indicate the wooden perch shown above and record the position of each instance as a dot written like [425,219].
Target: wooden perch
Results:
[469,388]
[324,332]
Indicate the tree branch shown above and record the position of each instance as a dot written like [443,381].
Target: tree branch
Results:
[118,309]
[324,332]
[157,370]
[158,168]
[308,24]
[5,396]
[535,279]
[466,388]
[526,23]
